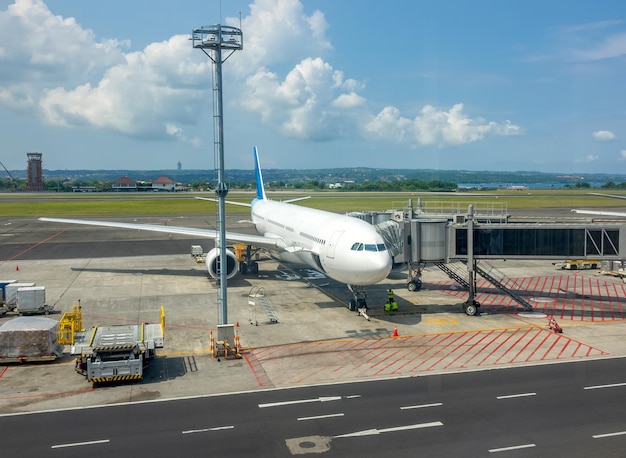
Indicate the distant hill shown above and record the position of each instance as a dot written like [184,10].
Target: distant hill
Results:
[357,175]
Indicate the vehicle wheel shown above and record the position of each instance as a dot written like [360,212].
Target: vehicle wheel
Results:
[243,268]
[253,268]
[411,286]
[470,309]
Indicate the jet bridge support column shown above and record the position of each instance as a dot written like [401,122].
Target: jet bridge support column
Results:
[470,307]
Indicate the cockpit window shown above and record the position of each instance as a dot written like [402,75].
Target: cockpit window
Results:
[369,247]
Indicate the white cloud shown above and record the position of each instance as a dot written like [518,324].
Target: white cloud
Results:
[622,155]
[60,70]
[611,47]
[604,135]
[435,127]
[277,31]
[37,46]
[150,90]
[588,158]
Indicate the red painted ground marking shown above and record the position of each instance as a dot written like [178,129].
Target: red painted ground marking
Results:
[358,351]
[261,376]
[501,344]
[471,349]
[528,331]
[311,361]
[433,347]
[35,245]
[406,363]
[457,348]
[582,300]
[6,368]
[602,304]
[558,338]
[577,348]
[619,303]
[487,346]
[49,395]
[569,341]
[606,289]
[548,335]
[266,353]
[552,288]
[526,283]
[392,362]
[430,348]
[621,309]
[441,349]
[399,349]
[532,281]
[543,285]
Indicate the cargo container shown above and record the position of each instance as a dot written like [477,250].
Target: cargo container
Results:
[32,300]
[29,339]
[11,293]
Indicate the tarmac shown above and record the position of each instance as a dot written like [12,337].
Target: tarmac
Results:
[316,339]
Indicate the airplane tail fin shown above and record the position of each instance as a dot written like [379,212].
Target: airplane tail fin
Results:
[260,189]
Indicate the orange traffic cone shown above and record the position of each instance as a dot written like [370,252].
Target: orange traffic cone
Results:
[17,268]
[395,331]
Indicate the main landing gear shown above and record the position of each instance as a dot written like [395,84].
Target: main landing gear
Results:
[249,267]
[414,278]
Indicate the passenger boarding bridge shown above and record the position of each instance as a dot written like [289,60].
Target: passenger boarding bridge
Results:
[471,237]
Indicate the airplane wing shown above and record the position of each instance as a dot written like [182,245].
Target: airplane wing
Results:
[231,202]
[600,213]
[260,241]
[607,195]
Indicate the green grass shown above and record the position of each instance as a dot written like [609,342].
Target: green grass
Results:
[76,205]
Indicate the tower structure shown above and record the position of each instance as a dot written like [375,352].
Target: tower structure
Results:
[219,42]
[35,175]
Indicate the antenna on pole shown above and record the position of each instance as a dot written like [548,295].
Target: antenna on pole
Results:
[215,41]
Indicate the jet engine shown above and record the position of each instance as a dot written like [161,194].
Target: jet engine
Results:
[213,263]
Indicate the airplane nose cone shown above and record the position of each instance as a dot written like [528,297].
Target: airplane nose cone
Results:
[379,266]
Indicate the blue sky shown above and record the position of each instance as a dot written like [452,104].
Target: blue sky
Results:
[475,85]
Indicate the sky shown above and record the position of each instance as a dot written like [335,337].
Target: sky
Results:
[456,85]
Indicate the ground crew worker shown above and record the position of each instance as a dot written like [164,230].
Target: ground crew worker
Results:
[391,305]
[360,300]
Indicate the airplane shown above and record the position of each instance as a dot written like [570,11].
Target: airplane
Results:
[343,248]
[602,212]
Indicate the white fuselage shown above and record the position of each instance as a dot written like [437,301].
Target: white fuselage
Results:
[346,249]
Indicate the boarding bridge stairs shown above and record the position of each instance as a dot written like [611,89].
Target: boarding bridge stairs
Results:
[256,297]
[496,278]
[456,271]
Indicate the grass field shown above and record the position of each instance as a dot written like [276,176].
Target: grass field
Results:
[104,204]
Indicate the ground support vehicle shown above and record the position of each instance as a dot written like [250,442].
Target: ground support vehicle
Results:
[117,353]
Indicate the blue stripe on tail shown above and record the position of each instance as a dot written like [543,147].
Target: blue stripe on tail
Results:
[260,189]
